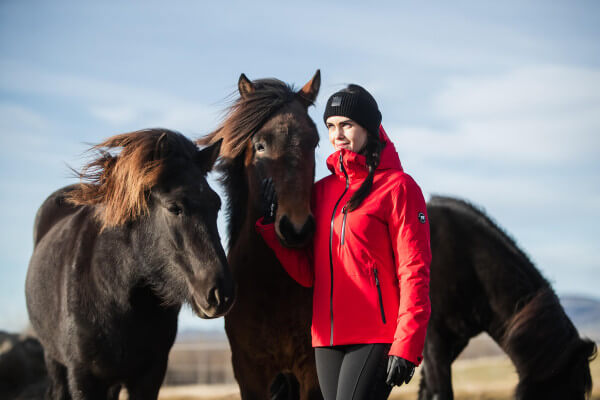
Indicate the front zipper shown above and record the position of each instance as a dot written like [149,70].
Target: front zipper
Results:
[345,212]
[379,293]
[330,250]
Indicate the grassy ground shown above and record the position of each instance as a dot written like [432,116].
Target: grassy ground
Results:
[491,378]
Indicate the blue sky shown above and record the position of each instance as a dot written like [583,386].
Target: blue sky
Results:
[497,103]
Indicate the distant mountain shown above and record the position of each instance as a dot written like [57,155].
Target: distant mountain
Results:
[585,313]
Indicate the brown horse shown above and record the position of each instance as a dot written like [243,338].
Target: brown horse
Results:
[268,133]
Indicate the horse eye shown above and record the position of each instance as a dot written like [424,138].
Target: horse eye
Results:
[174,209]
[259,147]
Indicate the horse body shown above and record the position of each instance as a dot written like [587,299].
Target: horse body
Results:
[268,133]
[103,311]
[104,300]
[482,282]
[268,337]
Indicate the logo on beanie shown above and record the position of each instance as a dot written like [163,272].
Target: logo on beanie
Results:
[336,101]
[421,218]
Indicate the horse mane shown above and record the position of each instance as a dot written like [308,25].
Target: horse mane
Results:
[544,344]
[479,216]
[119,183]
[242,120]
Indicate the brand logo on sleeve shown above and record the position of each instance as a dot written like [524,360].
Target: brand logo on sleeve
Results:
[421,218]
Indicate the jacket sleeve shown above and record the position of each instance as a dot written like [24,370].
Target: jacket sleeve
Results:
[409,232]
[297,262]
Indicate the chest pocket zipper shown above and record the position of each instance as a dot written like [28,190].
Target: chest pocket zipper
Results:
[379,294]
[345,212]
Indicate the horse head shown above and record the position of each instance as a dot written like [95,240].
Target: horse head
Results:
[157,186]
[269,134]
[569,379]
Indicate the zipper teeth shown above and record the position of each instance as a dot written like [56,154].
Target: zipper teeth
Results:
[344,224]
[330,250]
[379,294]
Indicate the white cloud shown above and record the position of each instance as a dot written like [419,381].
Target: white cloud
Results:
[538,90]
[538,115]
[122,106]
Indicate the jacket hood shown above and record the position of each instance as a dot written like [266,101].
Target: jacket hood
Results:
[356,164]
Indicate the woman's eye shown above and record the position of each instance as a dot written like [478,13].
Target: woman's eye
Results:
[174,209]
[259,147]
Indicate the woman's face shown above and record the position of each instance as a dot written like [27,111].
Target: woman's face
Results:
[344,133]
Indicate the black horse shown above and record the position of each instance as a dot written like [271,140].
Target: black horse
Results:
[114,259]
[482,282]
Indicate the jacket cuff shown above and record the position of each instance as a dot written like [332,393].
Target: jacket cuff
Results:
[260,226]
[399,350]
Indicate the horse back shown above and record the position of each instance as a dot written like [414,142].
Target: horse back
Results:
[52,210]
[64,236]
[478,273]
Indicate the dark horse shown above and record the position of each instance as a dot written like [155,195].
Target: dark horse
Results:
[114,259]
[482,282]
[268,133]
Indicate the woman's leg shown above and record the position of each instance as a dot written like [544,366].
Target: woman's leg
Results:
[363,373]
[329,360]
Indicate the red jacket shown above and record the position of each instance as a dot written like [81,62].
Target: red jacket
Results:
[370,268]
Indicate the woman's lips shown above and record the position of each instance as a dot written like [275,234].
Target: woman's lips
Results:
[339,146]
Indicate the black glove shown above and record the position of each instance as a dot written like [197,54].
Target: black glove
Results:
[399,371]
[269,200]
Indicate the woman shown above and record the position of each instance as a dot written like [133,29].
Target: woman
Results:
[369,259]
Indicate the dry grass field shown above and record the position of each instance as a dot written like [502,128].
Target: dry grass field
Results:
[489,378]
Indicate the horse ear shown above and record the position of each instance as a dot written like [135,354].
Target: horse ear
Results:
[309,92]
[245,86]
[207,156]
[161,148]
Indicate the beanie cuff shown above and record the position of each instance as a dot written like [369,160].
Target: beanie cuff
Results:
[355,107]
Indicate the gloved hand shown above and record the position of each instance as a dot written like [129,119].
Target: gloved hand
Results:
[399,371]
[269,200]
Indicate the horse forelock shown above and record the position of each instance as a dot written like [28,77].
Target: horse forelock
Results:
[119,183]
[247,115]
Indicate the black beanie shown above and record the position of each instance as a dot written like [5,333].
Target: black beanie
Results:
[357,104]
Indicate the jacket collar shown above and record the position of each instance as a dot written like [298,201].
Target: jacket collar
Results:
[355,164]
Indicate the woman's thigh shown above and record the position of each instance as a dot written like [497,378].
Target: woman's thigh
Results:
[355,372]
[329,362]
[363,373]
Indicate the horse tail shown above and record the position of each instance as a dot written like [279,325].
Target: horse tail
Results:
[285,386]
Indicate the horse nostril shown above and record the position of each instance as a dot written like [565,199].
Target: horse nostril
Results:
[291,235]
[213,297]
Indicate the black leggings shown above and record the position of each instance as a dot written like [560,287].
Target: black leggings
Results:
[353,372]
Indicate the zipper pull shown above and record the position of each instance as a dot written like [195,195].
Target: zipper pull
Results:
[376,277]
